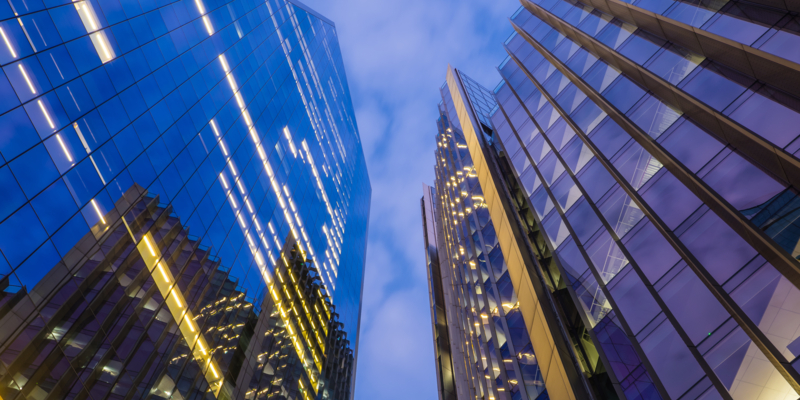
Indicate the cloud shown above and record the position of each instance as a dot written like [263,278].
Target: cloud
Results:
[396,55]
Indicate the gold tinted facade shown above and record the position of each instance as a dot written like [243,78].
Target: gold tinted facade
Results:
[541,322]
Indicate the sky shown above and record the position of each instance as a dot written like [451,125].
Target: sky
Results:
[396,55]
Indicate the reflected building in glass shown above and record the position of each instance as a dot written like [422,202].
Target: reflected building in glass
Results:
[638,178]
[185,202]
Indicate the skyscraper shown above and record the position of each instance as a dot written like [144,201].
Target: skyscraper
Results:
[640,174]
[185,202]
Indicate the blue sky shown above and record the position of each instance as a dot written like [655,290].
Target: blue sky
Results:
[396,55]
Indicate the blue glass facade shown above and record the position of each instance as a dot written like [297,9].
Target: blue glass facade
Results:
[235,115]
[644,154]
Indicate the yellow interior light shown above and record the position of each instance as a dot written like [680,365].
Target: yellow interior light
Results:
[214,370]
[149,246]
[177,300]
[163,273]
[97,210]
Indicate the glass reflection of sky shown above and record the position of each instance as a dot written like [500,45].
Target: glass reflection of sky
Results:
[235,114]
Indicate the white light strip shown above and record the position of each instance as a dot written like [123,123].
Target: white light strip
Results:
[63,147]
[28,80]
[200,6]
[178,301]
[149,246]
[102,46]
[214,127]
[105,48]
[207,23]
[8,44]
[99,214]
[87,15]
[163,273]
[88,151]
[289,139]
[46,115]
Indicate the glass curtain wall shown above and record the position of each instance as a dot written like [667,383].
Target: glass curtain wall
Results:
[662,179]
[235,119]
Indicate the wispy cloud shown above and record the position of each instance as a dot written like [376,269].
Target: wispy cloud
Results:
[396,54]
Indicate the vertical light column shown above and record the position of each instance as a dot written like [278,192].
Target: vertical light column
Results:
[236,179]
[178,307]
[92,24]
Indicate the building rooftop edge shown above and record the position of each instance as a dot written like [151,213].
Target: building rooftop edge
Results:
[312,11]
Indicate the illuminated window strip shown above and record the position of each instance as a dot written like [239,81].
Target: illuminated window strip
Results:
[27,36]
[8,44]
[262,155]
[309,110]
[46,114]
[27,79]
[102,46]
[63,147]
[253,135]
[177,306]
[206,21]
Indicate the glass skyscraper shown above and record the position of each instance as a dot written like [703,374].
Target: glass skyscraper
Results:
[637,180]
[184,202]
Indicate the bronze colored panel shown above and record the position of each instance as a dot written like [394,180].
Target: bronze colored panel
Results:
[771,69]
[779,163]
[725,51]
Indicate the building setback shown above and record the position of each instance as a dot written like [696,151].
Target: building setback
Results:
[636,174]
[185,202]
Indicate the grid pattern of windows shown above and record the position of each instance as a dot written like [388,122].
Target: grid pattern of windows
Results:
[485,349]
[481,99]
[638,158]
[139,308]
[234,113]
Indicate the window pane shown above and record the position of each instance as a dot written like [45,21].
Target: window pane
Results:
[674,63]
[741,183]
[633,300]
[595,180]
[584,221]
[715,86]
[695,308]
[651,251]
[673,362]
[641,46]
[721,251]
[653,116]
[770,119]
[606,256]
[609,138]
[691,145]
[671,200]
[620,211]
[20,235]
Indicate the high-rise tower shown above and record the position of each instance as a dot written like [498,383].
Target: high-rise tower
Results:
[640,173]
[185,202]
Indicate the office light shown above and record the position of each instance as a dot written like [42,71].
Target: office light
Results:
[28,80]
[46,115]
[8,44]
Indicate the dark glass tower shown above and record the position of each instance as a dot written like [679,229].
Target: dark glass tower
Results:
[640,170]
[185,202]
